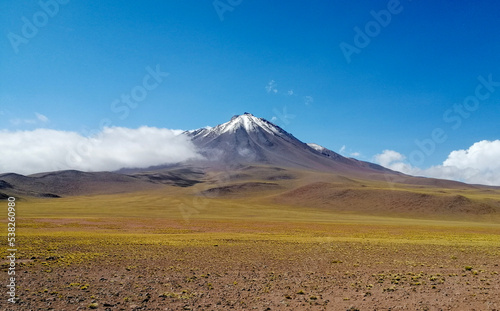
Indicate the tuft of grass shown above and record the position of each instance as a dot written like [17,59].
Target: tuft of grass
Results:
[390,289]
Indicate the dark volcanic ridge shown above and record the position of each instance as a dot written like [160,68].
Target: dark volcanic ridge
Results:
[72,182]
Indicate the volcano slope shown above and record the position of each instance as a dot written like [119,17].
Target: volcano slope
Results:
[260,237]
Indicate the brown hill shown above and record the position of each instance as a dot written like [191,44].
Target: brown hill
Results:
[376,200]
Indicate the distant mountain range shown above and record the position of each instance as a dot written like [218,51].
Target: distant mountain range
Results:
[244,141]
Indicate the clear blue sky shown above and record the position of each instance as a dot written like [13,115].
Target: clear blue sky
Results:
[394,91]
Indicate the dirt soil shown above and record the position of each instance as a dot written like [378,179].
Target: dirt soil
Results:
[211,268]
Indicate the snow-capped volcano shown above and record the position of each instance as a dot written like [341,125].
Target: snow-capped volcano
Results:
[246,121]
[247,139]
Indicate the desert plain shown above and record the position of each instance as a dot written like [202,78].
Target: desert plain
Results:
[261,238]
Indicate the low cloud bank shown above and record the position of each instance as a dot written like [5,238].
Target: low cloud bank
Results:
[479,164]
[42,150]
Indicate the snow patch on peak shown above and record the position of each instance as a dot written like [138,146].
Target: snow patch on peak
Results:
[200,129]
[316,147]
[248,122]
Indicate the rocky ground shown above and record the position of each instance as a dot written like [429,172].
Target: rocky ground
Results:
[225,271]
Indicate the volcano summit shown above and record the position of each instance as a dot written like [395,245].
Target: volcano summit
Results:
[246,139]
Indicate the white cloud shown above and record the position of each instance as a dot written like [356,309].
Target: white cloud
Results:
[289,93]
[271,87]
[308,100]
[483,155]
[388,157]
[477,165]
[395,161]
[40,150]
[342,149]
[22,121]
[39,118]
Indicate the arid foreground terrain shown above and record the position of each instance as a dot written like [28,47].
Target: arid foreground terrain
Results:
[256,244]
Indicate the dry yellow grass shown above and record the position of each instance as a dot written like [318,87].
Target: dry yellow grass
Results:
[174,248]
